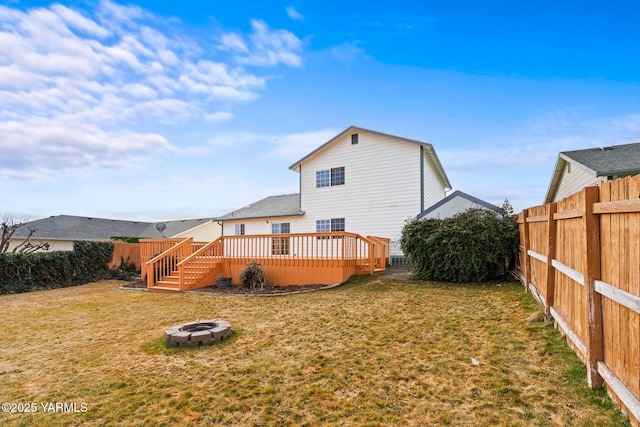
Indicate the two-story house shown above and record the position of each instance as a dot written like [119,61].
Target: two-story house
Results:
[361,181]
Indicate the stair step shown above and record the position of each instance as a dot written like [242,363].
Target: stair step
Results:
[164,289]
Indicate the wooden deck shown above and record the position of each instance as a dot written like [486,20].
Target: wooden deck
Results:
[287,259]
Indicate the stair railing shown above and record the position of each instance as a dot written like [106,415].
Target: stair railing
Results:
[212,250]
[163,264]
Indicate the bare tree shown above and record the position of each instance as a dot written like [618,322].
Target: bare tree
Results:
[9,227]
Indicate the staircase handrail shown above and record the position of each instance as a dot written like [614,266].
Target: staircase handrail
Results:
[168,252]
[182,264]
[199,251]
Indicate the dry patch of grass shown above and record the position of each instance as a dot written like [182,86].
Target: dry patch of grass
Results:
[372,352]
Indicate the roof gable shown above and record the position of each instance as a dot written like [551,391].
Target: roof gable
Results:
[459,194]
[435,161]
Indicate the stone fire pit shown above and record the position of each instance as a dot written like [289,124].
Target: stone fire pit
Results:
[195,334]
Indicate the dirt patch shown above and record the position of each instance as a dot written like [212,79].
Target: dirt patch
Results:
[266,291]
[135,284]
[239,290]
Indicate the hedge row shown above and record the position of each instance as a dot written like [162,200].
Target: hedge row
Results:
[473,246]
[87,262]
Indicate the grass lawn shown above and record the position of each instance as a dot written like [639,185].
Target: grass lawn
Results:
[372,352]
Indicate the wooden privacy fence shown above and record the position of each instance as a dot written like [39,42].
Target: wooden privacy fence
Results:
[129,252]
[580,258]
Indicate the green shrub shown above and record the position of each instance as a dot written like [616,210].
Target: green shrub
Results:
[125,239]
[252,277]
[473,246]
[87,262]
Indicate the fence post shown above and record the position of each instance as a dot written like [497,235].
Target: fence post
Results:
[550,286]
[525,250]
[593,300]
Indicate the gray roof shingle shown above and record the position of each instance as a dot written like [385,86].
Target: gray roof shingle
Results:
[615,160]
[68,227]
[272,206]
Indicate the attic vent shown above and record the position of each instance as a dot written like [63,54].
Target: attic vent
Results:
[354,139]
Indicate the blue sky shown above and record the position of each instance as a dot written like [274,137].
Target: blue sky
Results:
[152,110]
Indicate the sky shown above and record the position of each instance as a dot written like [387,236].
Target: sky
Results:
[163,110]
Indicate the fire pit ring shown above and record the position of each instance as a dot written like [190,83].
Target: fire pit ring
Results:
[199,333]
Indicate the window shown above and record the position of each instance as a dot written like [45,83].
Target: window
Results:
[323,226]
[330,177]
[354,139]
[329,225]
[239,229]
[323,178]
[281,228]
[337,224]
[280,245]
[337,176]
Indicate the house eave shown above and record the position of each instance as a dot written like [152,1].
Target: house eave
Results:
[619,172]
[238,218]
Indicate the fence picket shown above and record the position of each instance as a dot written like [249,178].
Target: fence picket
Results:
[593,235]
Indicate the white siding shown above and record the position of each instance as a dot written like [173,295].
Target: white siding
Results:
[262,225]
[381,190]
[54,245]
[574,181]
[207,232]
[434,188]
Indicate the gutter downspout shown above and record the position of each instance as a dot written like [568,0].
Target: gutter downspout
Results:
[421,178]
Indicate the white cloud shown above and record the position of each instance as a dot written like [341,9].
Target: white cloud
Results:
[37,145]
[75,20]
[294,146]
[76,86]
[348,52]
[219,116]
[294,14]
[233,42]
[266,47]
[288,147]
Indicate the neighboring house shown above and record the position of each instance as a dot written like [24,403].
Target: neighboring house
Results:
[61,231]
[455,203]
[201,230]
[361,181]
[583,168]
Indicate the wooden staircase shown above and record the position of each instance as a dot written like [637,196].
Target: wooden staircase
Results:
[180,273]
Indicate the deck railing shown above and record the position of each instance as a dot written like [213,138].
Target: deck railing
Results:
[296,258]
[151,248]
[203,265]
